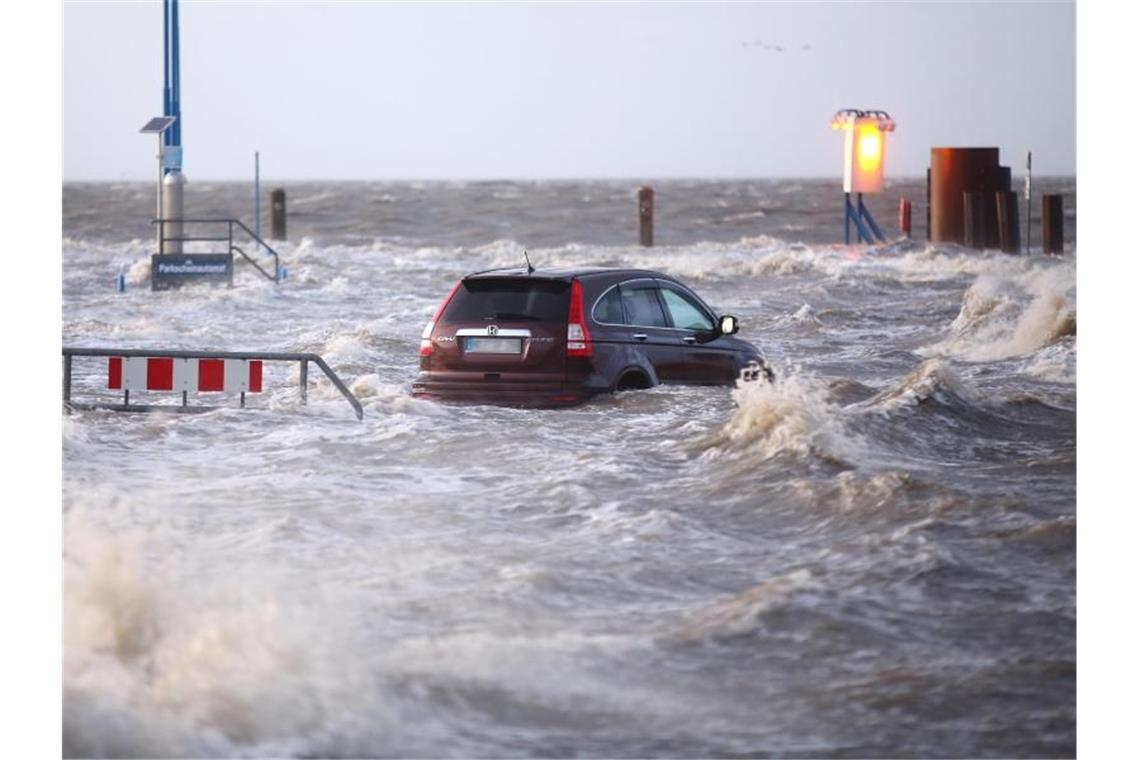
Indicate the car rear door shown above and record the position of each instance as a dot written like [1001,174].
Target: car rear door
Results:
[703,360]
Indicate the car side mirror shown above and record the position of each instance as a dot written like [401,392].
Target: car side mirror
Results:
[729,325]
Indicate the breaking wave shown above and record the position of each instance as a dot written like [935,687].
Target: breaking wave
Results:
[794,414]
[1003,317]
[804,319]
[932,380]
[800,414]
[166,655]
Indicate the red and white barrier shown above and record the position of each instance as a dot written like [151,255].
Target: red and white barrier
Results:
[162,373]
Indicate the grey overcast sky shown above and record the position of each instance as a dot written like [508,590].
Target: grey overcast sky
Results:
[367,90]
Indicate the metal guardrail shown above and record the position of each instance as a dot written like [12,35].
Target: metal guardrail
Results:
[231,247]
[126,406]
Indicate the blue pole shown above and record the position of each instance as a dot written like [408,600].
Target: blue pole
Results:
[851,216]
[847,218]
[166,60]
[866,214]
[177,84]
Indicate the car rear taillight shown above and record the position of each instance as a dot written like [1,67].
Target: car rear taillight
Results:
[577,335]
[426,347]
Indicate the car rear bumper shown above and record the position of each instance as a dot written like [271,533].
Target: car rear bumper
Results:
[505,394]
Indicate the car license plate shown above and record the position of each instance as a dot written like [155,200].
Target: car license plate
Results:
[492,345]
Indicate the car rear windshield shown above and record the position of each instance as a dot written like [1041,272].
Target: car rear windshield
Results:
[505,300]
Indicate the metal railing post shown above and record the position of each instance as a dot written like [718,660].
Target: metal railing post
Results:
[304,381]
[340,386]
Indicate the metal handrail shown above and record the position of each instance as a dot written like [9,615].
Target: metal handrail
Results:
[229,240]
[263,244]
[257,266]
[304,360]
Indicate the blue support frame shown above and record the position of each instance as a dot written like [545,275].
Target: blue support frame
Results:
[866,214]
[865,226]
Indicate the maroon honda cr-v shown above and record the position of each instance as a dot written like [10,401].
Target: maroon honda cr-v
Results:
[558,336]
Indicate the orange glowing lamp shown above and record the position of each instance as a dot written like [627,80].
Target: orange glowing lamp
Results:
[864,147]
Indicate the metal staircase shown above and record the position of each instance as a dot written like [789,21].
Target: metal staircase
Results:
[171,240]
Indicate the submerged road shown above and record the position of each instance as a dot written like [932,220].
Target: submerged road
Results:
[874,556]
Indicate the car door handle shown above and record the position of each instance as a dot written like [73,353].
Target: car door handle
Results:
[640,336]
[689,339]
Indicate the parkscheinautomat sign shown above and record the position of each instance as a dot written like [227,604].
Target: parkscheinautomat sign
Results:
[174,270]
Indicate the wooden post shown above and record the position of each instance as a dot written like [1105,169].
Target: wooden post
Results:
[904,217]
[1028,197]
[1052,224]
[1009,226]
[277,205]
[66,378]
[645,214]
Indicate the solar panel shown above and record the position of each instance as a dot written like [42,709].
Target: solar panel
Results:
[157,124]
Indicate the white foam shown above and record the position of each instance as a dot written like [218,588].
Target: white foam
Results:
[792,414]
[1016,315]
[390,398]
[202,661]
[932,379]
[1055,363]
[139,272]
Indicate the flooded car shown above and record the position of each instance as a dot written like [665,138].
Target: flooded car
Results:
[549,337]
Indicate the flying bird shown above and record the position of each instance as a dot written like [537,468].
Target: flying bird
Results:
[772,47]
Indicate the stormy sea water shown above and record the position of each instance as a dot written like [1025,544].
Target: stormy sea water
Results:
[873,556]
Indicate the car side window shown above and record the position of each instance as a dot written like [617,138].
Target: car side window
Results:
[608,308]
[685,312]
[642,307]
